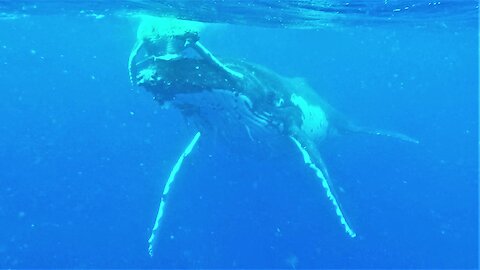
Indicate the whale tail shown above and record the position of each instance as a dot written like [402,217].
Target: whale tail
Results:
[352,128]
[340,124]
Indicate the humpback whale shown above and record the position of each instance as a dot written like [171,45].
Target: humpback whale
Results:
[234,99]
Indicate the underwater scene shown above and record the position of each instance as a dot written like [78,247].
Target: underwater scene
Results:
[239,134]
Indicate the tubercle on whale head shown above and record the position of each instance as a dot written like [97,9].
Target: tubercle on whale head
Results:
[161,37]
[157,29]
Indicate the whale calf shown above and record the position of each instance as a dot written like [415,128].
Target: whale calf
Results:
[234,99]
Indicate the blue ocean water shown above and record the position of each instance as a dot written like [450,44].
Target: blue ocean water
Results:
[84,154]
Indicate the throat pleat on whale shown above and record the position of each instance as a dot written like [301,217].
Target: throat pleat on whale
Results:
[227,112]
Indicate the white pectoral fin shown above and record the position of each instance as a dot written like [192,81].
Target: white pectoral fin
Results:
[322,175]
[166,189]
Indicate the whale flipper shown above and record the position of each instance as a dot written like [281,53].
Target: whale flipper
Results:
[313,160]
[166,189]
